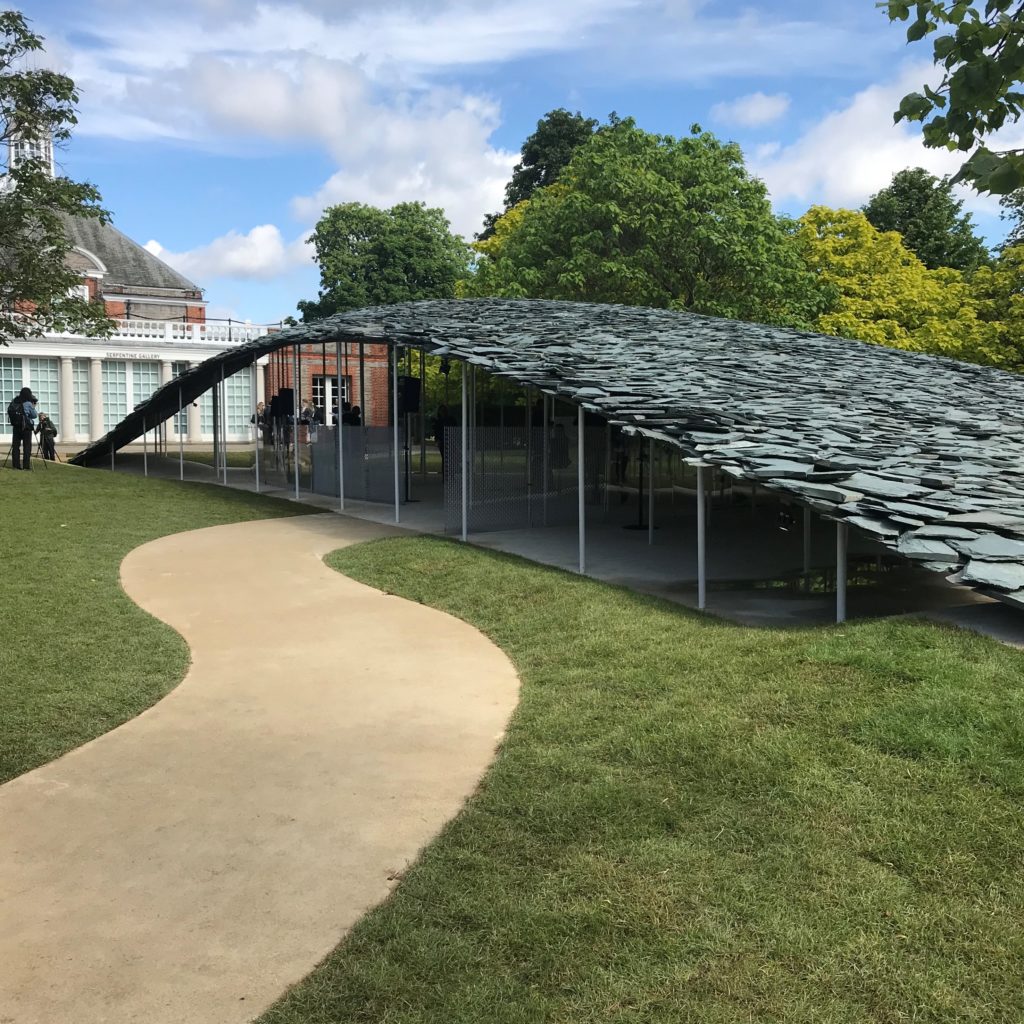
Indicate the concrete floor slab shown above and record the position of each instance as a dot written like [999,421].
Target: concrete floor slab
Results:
[193,863]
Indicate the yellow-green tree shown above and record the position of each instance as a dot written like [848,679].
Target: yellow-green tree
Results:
[886,295]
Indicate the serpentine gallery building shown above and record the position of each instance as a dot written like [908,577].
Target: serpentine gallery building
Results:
[161,331]
[575,423]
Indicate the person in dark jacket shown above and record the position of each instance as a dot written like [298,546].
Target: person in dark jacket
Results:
[47,431]
[23,408]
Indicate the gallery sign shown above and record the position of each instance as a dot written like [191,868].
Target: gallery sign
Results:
[133,355]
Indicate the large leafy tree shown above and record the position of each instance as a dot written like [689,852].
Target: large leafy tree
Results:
[652,220]
[371,257]
[545,152]
[886,295]
[980,49]
[923,209]
[37,290]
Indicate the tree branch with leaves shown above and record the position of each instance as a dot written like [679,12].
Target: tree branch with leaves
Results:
[981,53]
[38,291]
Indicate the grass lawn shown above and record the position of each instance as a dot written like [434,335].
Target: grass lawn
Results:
[77,656]
[695,822]
[238,458]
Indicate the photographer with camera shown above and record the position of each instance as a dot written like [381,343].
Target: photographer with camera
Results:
[20,415]
[47,431]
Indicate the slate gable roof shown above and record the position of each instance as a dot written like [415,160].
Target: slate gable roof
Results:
[128,264]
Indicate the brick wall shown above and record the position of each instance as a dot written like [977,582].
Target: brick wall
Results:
[312,363]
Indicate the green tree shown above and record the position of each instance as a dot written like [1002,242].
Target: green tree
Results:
[998,290]
[371,257]
[37,289]
[923,209]
[886,295]
[544,153]
[652,220]
[981,53]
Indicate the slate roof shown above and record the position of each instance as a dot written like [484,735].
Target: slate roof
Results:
[128,264]
[925,454]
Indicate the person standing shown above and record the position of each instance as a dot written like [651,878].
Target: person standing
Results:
[21,414]
[47,431]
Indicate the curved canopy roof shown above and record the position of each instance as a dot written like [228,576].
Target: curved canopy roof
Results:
[925,454]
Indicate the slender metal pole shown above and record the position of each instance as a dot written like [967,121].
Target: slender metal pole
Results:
[807,548]
[842,531]
[145,449]
[528,395]
[607,463]
[338,432]
[224,424]
[650,490]
[545,457]
[581,507]
[423,413]
[464,455]
[111,456]
[257,427]
[215,398]
[362,419]
[181,437]
[296,410]
[702,583]
[394,431]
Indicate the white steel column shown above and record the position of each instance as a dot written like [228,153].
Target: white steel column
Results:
[96,400]
[194,419]
[223,469]
[464,455]
[807,548]
[257,431]
[544,458]
[339,433]
[702,582]
[650,490]
[181,440]
[67,399]
[842,531]
[394,416]
[296,409]
[423,414]
[581,509]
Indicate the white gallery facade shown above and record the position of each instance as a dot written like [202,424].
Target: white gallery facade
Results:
[88,385]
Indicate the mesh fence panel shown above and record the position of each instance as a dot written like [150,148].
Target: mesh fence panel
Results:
[518,478]
[368,461]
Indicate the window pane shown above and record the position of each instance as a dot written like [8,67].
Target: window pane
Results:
[115,393]
[81,388]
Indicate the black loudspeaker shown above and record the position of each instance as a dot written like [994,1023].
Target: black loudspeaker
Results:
[408,395]
[283,404]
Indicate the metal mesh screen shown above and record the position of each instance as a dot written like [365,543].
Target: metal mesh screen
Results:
[519,477]
[368,460]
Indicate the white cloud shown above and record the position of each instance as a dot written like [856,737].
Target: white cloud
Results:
[750,111]
[259,254]
[854,151]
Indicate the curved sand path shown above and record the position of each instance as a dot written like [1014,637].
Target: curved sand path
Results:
[194,862]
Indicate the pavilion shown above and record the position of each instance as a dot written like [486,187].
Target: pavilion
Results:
[922,455]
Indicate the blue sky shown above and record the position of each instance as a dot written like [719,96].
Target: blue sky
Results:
[218,130]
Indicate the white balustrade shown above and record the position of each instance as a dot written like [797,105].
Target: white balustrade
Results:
[208,333]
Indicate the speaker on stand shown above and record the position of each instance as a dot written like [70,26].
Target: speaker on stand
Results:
[408,404]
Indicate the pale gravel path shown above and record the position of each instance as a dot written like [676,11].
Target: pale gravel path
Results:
[191,864]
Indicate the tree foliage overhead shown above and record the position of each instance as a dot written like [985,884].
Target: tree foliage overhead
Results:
[371,257]
[544,153]
[886,295]
[652,220]
[37,289]
[923,209]
[980,48]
